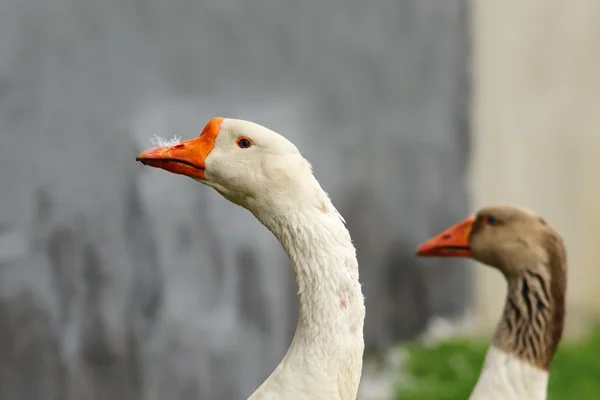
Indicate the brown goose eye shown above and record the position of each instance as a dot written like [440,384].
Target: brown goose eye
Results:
[244,142]
[491,220]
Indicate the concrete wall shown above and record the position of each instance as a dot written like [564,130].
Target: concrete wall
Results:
[536,134]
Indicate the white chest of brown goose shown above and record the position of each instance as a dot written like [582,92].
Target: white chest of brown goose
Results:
[532,257]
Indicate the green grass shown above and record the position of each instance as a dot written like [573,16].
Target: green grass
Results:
[449,371]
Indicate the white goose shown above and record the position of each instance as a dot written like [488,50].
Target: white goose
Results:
[263,172]
[532,257]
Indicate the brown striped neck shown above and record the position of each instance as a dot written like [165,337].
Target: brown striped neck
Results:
[533,319]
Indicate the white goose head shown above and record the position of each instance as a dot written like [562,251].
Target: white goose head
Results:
[245,162]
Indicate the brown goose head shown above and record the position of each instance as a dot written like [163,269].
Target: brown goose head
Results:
[508,238]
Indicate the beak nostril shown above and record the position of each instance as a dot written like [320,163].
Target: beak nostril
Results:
[446,236]
[179,146]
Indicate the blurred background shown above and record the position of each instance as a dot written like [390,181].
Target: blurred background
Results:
[124,282]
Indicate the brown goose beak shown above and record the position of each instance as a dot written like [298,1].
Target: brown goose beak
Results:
[453,242]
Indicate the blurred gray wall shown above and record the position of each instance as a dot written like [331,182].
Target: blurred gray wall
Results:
[124,282]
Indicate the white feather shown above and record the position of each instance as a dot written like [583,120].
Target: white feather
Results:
[158,141]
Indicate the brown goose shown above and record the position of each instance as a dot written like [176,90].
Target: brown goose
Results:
[532,257]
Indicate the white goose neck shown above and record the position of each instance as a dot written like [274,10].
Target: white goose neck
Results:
[325,357]
[324,264]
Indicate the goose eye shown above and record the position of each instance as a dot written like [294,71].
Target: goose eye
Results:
[491,220]
[244,142]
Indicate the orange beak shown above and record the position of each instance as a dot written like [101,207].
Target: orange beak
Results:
[453,242]
[186,158]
